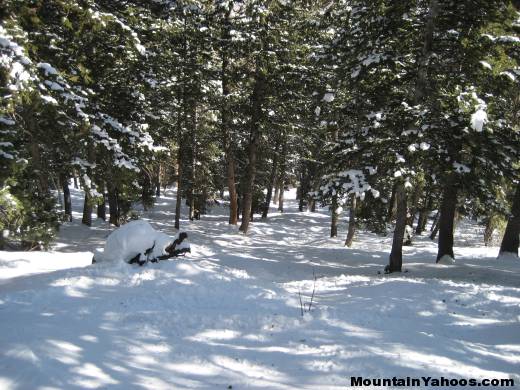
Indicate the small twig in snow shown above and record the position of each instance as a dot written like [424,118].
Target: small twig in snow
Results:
[313,290]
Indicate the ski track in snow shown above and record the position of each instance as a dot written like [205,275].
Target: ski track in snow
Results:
[229,313]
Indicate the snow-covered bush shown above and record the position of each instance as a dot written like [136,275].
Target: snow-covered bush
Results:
[139,242]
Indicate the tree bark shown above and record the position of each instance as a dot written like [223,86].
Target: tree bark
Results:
[414,203]
[158,181]
[276,194]
[314,179]
[391,205]
[301,201]
[351,221]
[192,190]
[281,177]
[334,217]
[510,240]
[435,227]
[396,255]
[179,189]
[423,215]
[101,208]
[67,201]
[488,230]
[272,180]
[447,217]
[113,204]
[87,209]
[304,187]
[281,193]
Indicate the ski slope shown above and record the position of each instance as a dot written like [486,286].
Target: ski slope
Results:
[229,314]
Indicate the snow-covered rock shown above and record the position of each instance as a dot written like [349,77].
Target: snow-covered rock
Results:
[136,238]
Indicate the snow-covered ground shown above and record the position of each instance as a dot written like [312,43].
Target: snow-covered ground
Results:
[229,314]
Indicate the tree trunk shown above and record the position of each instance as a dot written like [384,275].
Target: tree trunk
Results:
[488,231]
[101,208]
[423,215]
[421,90]
[301,201]
[179,189]
[304,186]
[239,203]
[435,227]
[281,177]
[435,222]
[158,180]
[510,241]
[414,203]
[113,204]
[225,117]
[67,201]
[351,221]
[57,186]
[192,189]
[276,194]
[233,197]
[447,217]
[421,222]
[314,179]
[87,208]
[257,101]
[272,180]
[281,193]
[396,255]
[391,205]
[334,217]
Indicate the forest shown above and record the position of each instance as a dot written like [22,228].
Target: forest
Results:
[260,194]
[388,109]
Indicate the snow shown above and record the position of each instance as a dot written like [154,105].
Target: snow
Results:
[49,99]
[229,313]
[486,65]
[509,75]
[424,146]
[328,98]
[446,260]
[48,69]
[461,168]
[478,119]
[508,256]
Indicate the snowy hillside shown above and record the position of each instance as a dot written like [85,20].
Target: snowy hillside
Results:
[229,314]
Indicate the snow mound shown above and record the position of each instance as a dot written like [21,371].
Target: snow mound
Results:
[133,239]
[446,260]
